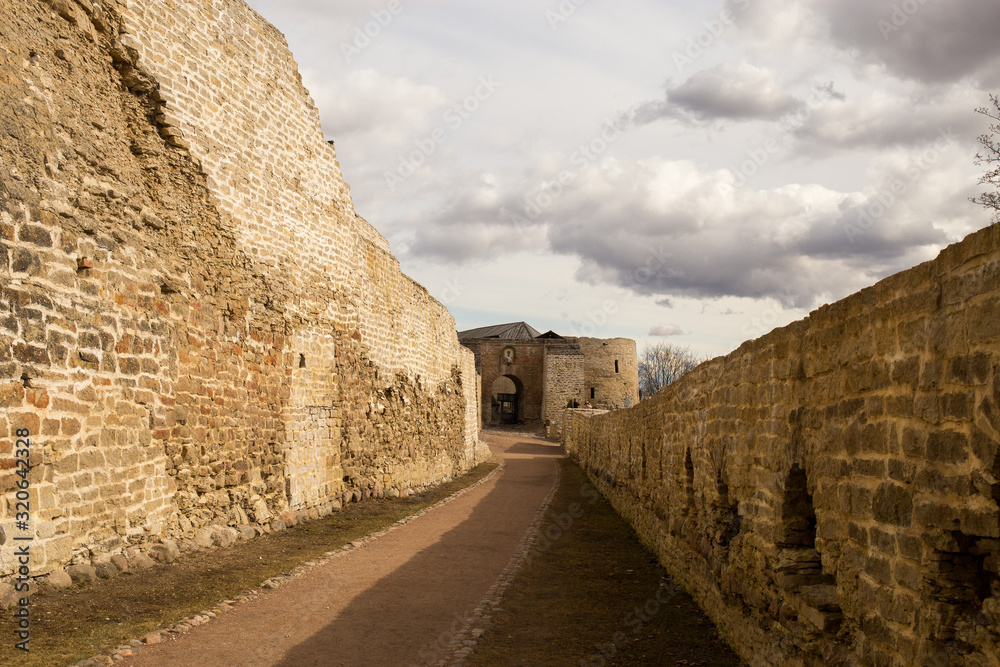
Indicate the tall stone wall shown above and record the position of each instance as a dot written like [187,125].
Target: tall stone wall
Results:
[195,326]
[828,492]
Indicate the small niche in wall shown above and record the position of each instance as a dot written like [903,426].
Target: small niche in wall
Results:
[302,361]
[727,515]
[688,482]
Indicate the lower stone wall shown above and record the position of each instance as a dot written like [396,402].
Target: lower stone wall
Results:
[563,382]
[828,492]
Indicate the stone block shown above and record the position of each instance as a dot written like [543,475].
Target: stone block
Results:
[120,561]
[203,537]
[59,578]
[166,551]
[84,573]
[105,570]
[947,447]
[893,504]
[58,549]
[9,597]
[906,574]
[983,321]
[937,515]
[224,536]
[141,561]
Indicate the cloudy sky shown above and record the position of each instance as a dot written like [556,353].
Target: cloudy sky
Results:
[671,171]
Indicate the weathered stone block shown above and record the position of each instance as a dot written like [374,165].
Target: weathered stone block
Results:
[893,504]
[83,573]
[59,578]
[166,551]
[106,570]
[947,447]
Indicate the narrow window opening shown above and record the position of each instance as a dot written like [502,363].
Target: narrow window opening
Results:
[302,361]
[728,515]
[798,515]
[616,365]
[591,392]
[689,480]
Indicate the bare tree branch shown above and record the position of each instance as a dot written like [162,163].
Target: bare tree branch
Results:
[661,364]
[991,155]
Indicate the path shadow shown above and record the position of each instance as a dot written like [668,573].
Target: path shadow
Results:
[537,449]
[410,616]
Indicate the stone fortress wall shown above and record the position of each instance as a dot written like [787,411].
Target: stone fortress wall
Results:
[828,492]
[195,326]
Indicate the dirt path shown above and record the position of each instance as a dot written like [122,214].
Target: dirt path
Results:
[395,601]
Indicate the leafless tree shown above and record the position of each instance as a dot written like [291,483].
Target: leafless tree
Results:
[662,363]
[990,156]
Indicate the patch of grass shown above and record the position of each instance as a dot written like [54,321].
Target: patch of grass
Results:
[592,594]
[76,623]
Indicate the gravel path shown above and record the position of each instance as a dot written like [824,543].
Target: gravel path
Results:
[416,595]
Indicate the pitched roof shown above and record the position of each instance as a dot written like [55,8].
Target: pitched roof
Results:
[514,330]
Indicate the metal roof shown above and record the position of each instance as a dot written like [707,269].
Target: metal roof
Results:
[514,330]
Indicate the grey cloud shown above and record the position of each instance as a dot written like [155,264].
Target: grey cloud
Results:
[794,246]
[685,233]
[473,226]
[472,242]
[666,330]
[726,91]
[934,41]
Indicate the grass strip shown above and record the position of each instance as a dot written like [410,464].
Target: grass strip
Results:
[593,594]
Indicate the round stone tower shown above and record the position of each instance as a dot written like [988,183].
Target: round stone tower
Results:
[610,372]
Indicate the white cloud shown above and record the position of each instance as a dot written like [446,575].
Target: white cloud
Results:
[784,29]
[884,119]
[368,102]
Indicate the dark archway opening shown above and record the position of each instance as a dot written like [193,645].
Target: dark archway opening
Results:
[507,400]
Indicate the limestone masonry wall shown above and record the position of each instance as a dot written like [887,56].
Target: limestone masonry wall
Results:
[202,336]
[828,492]
[562,378]
[611,371]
